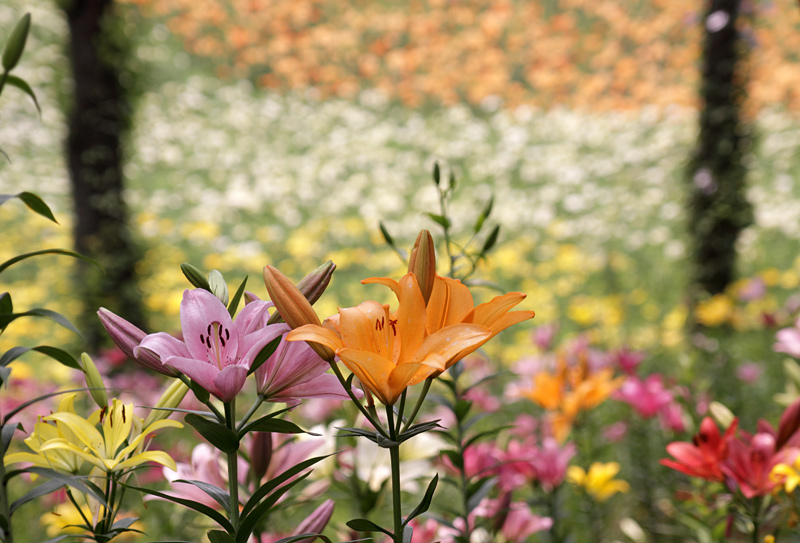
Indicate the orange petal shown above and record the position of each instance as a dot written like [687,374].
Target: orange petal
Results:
[449,303]
[316,334]
[367,327]
[451,341]
[391,283]
[372,370]
[410,317]
[492,311]
[406,375]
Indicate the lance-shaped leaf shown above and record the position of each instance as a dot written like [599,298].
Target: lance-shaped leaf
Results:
[34,202]
[237,297]
[213,514]
[425,503]
[364,525]
[249,523]
[264,354]
[215,433]
[38,312]
[272,484]
[271,424]
[43,489]
[216,493]
[218,536]
[53,352]
[18,258]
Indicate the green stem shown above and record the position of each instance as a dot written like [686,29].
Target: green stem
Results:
[251,412]
[400,411]
[425,388]
[394,454]
[443,211]
[552,501]
[756,519]
[77,508]
[5,509]
[372,420]
[233,466]
[186,381]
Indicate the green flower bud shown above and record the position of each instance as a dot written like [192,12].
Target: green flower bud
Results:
[93,380]
[171,398]
[16,43]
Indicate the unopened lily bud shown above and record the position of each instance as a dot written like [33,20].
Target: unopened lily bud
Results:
[423,263]
[94,381]
[170,399]
[293,306]
[789,425]
[249,297]
[721,414]
[260,455]
[127,337]
[316,521]
[311,286]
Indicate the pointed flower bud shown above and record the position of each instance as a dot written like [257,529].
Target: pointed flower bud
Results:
[423,263]
[311,286]
[721,414]
[789,424]
[316,521]
[94,381]
[127,337]
[260,455]
[170,399]
[293,306]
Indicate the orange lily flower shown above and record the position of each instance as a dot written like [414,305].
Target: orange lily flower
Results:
[451,303]
[390,351]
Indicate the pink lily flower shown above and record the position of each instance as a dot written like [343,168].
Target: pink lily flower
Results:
[313,524]
[648,397]
[206,466]
[217,351]
[294,372]
[789,340]
[521,523]
[750,462]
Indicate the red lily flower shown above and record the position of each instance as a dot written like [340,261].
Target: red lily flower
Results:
[702,458]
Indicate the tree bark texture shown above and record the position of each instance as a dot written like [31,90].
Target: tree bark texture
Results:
[98,121]
[718,209]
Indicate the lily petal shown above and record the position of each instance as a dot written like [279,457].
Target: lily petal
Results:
[230,381]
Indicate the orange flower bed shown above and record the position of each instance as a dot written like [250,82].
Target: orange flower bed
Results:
[589,55]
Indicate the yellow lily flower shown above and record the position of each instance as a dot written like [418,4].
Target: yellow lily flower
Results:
[111,450]
[59,460]
[390,351]
[451,303]
[599,481]
[786,475]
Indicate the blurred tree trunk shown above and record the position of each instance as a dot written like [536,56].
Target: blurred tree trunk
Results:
[718,209]
[98,121]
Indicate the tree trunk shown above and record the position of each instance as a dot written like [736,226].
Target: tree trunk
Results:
[98,121]
[718,209]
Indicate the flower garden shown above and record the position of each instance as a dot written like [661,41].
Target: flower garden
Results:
[387,304]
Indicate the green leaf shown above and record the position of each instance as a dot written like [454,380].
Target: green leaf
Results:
[418,429]
[53,352]
[18,258]
[262,356]
[195,276]
[476,496]
[386,235]
[22,85]
[462,408]
[455,458]
[437,175]
[249,523]
[218,536]
[234,305]
[271,424]
[20,407]
[213,514]
[441,220]
[219,287]
[6,435]
[6,305]
[43,489]
[216,493]
[425,503]
[488,433]
[16,43]
[74,481]
[31,200]
[215,433]
[7,318]
[491,241]
[364,525]
[272,484]
[200,393]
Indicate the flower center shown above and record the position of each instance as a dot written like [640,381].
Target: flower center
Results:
[214,340]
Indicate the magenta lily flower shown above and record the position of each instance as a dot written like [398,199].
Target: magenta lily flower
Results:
[216,351]
[294,372]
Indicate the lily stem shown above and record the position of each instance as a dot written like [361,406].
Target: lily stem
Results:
[5,509]
[250,413]
[394,454]
[372,420]
[425,388]
[233,466]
